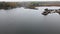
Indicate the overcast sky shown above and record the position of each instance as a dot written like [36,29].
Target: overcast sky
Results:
[28,0]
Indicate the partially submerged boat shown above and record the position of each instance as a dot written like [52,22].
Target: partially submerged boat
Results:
[49,11]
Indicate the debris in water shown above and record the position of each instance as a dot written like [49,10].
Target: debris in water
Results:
[48,11]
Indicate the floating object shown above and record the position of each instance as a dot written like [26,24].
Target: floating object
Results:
[47,11]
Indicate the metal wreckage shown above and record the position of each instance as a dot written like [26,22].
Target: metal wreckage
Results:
[49,11]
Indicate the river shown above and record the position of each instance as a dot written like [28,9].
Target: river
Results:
[29,21]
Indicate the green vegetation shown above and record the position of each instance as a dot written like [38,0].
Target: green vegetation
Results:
[35,3]
[7,5]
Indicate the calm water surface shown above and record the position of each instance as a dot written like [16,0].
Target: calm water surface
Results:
[29,21]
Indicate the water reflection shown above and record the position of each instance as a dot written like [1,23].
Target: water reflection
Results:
[29,21]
